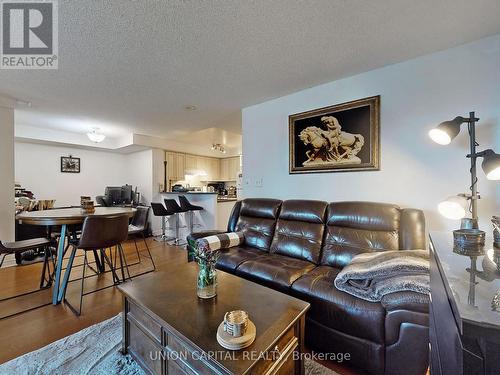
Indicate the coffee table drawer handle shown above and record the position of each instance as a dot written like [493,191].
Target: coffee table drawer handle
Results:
[292,345]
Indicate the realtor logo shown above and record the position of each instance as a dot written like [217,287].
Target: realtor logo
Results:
[29,34]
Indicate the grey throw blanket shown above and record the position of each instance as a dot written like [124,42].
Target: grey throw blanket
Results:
[370,276]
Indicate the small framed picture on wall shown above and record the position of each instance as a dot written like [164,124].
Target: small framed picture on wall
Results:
[70,164]
[340,138]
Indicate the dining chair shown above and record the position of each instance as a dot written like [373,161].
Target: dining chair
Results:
[98,234]
[18,247]
[137,228]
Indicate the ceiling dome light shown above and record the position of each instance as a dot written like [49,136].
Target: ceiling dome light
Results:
[454,207]
[95,136]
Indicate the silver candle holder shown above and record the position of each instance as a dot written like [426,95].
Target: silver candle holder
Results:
[236,322]
[496,231]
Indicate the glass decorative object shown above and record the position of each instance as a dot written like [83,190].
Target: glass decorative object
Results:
[207,274]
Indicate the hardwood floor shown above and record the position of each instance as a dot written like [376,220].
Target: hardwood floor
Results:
[34,329]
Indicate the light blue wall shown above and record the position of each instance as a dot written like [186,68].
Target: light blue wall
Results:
[415,95]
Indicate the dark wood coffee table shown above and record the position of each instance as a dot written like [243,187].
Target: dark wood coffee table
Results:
[168,330]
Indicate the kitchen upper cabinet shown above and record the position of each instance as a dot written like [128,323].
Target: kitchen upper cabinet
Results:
[234,168]
[210,166]
[180,166]
[202,164]
[175,165]
[229,168]
[224,169]
[170,158]
[214,169]
[191,162]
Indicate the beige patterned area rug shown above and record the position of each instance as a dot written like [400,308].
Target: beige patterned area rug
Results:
[94,351]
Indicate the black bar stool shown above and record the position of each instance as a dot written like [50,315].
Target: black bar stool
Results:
[172,206]
[160,211]
[191,208]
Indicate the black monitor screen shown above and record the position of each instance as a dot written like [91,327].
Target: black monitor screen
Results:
[114,194]
[127,193]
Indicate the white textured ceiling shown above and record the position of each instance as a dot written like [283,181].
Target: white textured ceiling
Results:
[132,66]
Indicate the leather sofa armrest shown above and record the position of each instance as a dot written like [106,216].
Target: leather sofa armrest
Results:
[191,241]
[407,300]
[406,333]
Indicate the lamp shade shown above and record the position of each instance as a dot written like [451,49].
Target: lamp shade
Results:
[446,131]
[454,207]
[491,165]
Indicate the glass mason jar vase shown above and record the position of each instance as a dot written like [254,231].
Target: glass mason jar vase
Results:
[207,276]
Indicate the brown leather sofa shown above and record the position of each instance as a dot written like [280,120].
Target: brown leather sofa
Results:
[299,246]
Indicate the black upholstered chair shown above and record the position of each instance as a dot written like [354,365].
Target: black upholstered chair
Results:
[102,201]
[137,228]
[99,233]
[18,247]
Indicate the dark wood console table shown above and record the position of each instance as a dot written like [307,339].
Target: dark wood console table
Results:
[465,308]
[169,330]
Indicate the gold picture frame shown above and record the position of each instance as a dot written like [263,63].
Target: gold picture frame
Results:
[340,138]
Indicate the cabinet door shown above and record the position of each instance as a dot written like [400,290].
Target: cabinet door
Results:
[205,167]
[191,162]
[171,166]
[214,169]
[201,165]
[234,168]
[180,166]
[224,169]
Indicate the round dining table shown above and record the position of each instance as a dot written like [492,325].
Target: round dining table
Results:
[64,217]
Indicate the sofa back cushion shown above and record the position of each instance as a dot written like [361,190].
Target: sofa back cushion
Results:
[358,227]
[257,220]
[299,230]
[233,217]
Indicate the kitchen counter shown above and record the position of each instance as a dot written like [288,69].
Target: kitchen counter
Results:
[206,218]
[215,213]
[222,200]
[188,192]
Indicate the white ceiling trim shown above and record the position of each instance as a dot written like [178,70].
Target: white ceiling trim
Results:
[124,145]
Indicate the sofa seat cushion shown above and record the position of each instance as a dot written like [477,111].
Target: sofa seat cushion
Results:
[339,310]
[273,270]
[230,259]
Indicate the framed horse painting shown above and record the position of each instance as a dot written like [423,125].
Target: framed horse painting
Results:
[340,138]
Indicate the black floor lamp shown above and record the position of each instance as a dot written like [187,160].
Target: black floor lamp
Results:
[455,207]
